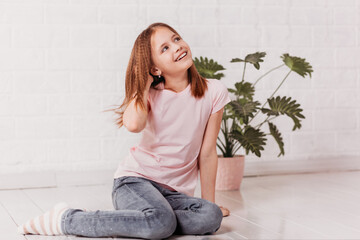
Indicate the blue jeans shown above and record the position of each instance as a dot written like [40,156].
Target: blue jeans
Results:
[144,209]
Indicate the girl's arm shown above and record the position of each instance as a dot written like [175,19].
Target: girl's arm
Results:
[134,118]
[208,157]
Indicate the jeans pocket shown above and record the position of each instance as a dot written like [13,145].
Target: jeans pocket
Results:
[117,183]
[114,199]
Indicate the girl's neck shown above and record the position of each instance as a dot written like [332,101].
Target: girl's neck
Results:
[176,83]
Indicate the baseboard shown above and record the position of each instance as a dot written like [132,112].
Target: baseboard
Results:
[252,168]
[329,164]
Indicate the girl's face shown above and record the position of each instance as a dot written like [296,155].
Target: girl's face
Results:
[171,55]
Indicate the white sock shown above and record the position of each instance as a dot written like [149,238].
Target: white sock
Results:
[47,224]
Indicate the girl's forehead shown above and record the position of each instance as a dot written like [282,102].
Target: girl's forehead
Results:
[160,31]
[161,35]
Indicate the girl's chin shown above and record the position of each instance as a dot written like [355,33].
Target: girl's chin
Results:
[186,62]
[187,65]
[179,69]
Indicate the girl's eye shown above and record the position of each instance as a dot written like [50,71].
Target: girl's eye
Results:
[178,38]
[164,49]
[166,46]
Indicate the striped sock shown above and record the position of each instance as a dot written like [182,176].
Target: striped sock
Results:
[47,224]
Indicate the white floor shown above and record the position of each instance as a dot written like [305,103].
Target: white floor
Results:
[304,206]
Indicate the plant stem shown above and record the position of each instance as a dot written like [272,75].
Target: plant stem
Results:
[267,73]
[237,149]
[244,71]
[271,95]
[278,86]
[259,125]
[266,120]
[272,118]
[222,144]
[226,136]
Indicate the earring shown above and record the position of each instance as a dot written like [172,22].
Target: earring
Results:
[159,76]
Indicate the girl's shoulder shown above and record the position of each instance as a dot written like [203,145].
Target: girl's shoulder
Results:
[215,85]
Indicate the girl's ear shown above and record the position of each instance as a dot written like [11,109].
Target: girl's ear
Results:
[155,71]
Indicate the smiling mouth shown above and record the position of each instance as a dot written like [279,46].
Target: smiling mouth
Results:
[181,56]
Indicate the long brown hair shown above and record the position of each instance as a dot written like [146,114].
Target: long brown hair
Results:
[139,67]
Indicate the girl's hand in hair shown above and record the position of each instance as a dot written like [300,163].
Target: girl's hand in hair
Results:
[149,82]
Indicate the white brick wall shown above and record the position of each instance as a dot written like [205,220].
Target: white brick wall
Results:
[63,62]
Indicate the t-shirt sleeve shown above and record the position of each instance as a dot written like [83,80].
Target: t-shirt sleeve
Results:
[221,97]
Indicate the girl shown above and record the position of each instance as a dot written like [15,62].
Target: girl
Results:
[179,113]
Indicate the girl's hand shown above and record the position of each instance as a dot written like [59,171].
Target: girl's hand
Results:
[225,211]
[149,80]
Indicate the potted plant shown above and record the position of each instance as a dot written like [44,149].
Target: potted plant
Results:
[237,127]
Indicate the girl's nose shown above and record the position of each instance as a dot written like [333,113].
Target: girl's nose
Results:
[178,48]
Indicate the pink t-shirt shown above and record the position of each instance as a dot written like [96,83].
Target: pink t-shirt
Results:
[171,141]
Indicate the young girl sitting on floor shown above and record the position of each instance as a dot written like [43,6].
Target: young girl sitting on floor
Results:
[179,113]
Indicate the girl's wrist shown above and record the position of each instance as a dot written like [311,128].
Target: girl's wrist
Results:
[148,85]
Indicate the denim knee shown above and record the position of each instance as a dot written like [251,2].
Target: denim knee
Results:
[213,217]
[218,217]
[162,224]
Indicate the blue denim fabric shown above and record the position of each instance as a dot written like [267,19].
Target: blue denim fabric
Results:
[144,209]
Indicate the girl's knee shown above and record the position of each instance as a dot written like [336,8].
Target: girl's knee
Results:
[162,224]
[213,217]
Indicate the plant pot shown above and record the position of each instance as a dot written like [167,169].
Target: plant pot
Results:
[230,172]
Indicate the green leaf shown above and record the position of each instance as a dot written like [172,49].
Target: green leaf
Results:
[285,106]
[251,140]
[237,60]
[277,135]
[228,146]
[298,65]
[243,109]
[254,59]
[243,89]
[208,68]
